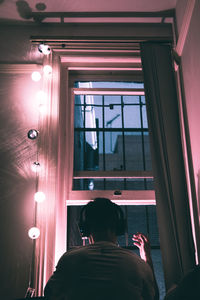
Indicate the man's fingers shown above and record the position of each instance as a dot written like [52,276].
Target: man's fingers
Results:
[145,238]
[137,244]
[141,236]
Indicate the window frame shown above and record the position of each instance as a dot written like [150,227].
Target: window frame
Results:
[122,197]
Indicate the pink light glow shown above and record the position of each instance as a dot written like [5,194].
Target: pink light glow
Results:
[41,97]
[35,167]
[47,70]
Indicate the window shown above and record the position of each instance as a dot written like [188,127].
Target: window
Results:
[111,140]
[112,158]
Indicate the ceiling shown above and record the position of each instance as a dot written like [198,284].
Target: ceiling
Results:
[20,10]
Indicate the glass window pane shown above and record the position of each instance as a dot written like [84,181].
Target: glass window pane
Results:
[112,100]
[143,99]
[137,222]
[147,151]
[98,112]
[90,155]
[86,154]
[79,153]
[114,158]
[135,184]
[144,117]
[133,151]
[153,227]
[112,112]
[100,139]
[79,112]
[113,184]
[113,143]
[131,99]
[132,116]
[139,184]
[150,184]
[110,84]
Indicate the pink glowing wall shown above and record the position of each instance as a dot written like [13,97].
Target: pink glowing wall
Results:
[17,181]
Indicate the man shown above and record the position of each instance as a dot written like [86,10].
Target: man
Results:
[103,270]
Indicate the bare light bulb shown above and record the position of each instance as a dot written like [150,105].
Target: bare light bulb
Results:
[47,70]
[36,76]
[39,197]
[34,233]
[32,134]
[45,49]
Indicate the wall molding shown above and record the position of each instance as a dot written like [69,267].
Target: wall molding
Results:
[19,68]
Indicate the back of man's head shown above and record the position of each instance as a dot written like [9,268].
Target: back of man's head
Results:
[102,215]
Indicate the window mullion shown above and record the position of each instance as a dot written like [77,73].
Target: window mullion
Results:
[123,139]
[142,135]
[104,155]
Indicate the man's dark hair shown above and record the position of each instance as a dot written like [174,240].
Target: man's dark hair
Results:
[101,215]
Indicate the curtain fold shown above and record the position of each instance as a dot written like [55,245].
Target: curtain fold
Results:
[173,213]
[51,214]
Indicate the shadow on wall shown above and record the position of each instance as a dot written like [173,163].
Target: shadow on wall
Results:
[25,10]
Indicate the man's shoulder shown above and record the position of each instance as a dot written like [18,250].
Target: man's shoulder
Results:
[102,249]
[74,251]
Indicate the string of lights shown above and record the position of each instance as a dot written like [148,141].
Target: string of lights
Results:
[34,135]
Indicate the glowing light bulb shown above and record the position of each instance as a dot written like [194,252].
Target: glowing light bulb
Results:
[34,233]
[32,134]
[47,70]
[36,76]
[36,167]
[39,197]
[45,49]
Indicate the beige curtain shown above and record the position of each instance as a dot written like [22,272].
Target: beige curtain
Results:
[168,165]
[53,157]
